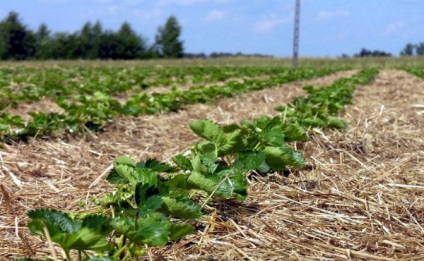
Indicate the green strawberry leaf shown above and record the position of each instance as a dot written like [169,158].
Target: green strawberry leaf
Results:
[178,231]
[278,158]
[83,239]
[294,132]
[247,161]
[152,229]
[157,166]
[209,131]
[182,162]
[185,208]
[56,222]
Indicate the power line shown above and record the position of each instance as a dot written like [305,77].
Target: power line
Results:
[296,34]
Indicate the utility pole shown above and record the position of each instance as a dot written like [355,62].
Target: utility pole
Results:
[296,34]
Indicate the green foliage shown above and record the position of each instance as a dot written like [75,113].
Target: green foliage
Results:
[152,229]
[17,42]
[154,202]
[223,142]
[85,95]
[318,109]
[91,42]
[142,208]
[167,42]
[68,233]
[278,158]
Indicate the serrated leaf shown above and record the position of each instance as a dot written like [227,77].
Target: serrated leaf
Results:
[273,135]
[146,198]
[150,205]
[278,158]
[247,161]
[83,239]
[313,122]
[204,147]
[125,167]
[182,162]
[209,131]
[336,123]
[178,231]
[124,160]
[233,143]
[152,229]
[178,181]
[225,184]
[145,176]
[264,168]
[294,132]
[198,181]
[115,178]
[263,121]
[56,221]
[157,166]
[205,163]
[98,223]
[230,128]
[185,209]
[238,183]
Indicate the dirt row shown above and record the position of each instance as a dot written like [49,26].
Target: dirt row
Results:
[362,198]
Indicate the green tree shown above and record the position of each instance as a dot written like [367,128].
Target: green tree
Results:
[85,43]
[43,42]
[63,46]
[420,49]
[108,45]
[89,40]
[167,42]
[130,45]
[408,50]
[17,41]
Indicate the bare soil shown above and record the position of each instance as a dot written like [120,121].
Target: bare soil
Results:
[361,197]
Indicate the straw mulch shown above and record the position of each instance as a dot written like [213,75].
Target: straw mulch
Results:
[361,195]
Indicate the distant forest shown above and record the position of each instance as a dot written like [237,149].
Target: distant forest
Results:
[17,42]
[409,50]
[92,41]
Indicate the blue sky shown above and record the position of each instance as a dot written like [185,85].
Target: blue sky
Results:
[328,27]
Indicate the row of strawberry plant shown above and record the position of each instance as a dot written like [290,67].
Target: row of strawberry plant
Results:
[31,84]
[93,111]
[156,202]
[417,71]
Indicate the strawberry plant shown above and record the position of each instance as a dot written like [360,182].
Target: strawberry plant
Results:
[93,106]
[154,202]
[322,104]
[138,213]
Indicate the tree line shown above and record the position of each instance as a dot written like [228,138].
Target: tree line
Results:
[18,42]
[371,53]
[413,49]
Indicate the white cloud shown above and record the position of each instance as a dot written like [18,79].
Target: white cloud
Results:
[215,15]
[327,15]
[268,23]
[393,28]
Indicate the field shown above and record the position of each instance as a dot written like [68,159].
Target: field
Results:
[298,184]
